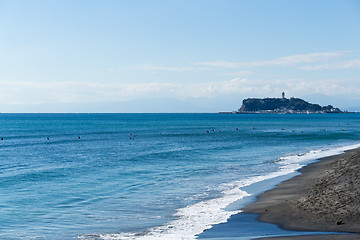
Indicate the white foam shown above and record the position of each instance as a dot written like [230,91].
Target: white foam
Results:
[293,163]
[192,220]
[195,219]
[315,154]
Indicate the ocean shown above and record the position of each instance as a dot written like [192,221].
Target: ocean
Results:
[152,176]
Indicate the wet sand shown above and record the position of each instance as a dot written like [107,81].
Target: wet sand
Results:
[325,197]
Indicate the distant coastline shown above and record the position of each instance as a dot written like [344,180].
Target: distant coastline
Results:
[282,106]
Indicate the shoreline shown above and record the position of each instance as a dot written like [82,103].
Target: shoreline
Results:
[323,198]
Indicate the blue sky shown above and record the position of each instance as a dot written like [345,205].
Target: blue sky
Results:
[176,56]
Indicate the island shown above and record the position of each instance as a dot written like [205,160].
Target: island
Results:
[282,105]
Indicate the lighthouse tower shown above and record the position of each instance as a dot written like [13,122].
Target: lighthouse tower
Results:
[283,95]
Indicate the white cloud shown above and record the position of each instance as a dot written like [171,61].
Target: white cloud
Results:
[261,88]
[151,67]
[330,87]
[238,73]
[210,89]
[308,58]
[22,92]
[283,61]
[25,93]
[355,63]
[300,61]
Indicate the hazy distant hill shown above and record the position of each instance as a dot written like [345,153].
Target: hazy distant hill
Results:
[283,105]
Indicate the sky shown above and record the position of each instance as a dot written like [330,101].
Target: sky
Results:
[176,56]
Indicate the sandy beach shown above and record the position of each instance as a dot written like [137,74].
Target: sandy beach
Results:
[325,197]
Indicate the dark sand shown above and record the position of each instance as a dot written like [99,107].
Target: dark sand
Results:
[325,197]
[317,237]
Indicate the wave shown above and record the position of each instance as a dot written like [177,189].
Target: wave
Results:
[194,219]
[315,154]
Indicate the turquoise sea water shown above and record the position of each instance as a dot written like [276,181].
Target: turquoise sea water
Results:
[148,176]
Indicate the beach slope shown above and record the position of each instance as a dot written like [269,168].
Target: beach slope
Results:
[325,197]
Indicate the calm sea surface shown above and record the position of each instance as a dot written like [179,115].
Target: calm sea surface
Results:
[148,176]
